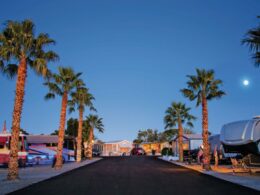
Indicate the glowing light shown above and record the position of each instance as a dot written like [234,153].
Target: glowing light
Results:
[245,82]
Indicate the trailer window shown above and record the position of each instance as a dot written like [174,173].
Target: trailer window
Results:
[2,145]
[25,144]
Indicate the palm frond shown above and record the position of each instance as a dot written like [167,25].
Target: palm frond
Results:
[49,96]
[177,112]
[18,40]
[203,84]
[95,122]
[10,70]
[54,88]
[252,41]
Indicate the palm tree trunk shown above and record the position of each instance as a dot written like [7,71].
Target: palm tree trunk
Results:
[90,140]
[79,138]
[17,112]
[59,158]
[206,149]
[180,141]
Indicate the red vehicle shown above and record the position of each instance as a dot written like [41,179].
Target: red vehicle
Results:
[5,140]
[138,151]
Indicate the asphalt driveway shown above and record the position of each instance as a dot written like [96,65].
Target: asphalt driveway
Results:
[134,175]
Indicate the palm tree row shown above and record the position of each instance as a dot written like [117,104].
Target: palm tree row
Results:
[201,87]
[20,48]
[62,85]
[81,99]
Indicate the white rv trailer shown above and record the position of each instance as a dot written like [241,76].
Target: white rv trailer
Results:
[214,142]
[242,137]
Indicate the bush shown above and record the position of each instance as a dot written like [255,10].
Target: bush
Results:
[167,152]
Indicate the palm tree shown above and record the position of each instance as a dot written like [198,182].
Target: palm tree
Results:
[252,40]
[62,84]
[203,87]
[81,99]
[93,122]
[20,47]
[178,114]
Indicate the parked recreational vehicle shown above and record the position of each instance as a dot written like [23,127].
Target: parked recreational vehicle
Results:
[5,141]
[47,144]
[243,137]
[214,141]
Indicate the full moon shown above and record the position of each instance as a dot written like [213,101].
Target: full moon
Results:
[245,82]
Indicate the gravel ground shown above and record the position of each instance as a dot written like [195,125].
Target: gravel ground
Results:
[35,174]
[134,175]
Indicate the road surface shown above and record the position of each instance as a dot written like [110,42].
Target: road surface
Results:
[133,176]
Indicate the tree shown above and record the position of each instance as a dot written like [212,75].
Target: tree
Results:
[56,132]
[137,141]
[81,99]
[252,40]
[142,136]
[169,134]
[152,135]
[187,131]
[19,48]
[93,122]
[148,135]
[24,132]
[203,87]
[72,127]
[177,115]
[62,84]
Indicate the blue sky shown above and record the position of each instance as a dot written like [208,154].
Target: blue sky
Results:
[135,56]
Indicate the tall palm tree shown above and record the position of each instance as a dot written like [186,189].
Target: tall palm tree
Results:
[203,87]
[177,115]
[20,47]
[62,84]
[81,99]
[252,40]
[93,122]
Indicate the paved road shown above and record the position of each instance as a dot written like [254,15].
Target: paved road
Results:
[134,175]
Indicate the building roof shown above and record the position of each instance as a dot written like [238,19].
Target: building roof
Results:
[115,142]
[42,139]
[188,136]
[98,142]
[156,142]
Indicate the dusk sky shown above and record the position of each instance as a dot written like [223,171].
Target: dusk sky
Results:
[135,56]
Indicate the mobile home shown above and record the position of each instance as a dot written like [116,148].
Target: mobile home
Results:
[117,148]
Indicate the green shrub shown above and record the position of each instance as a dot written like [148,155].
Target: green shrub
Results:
[167,151]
